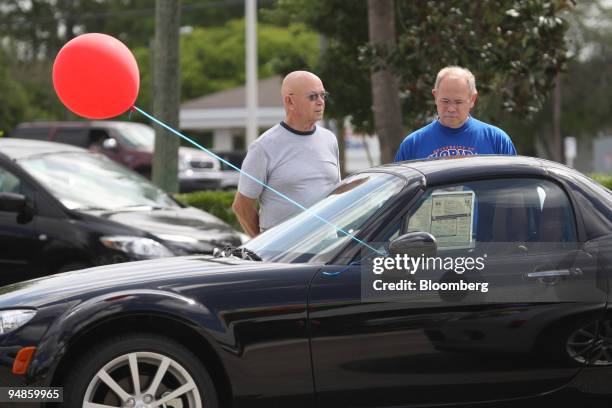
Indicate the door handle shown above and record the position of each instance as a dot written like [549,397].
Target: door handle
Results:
[549,274]
[573,271]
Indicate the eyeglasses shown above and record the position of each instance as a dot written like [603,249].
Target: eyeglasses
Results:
[458,103]
[313,96]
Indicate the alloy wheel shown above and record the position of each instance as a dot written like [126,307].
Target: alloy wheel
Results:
[591,344]
[142,380]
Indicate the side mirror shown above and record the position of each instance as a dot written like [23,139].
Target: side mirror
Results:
[414,244]
[12,202]
[110,144]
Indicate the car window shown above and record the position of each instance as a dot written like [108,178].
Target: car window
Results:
[82,180]
[503,210]
[307,238]
[97,137]
[34,133]
[9,183]
[595,202]
[76,137]
[136,135]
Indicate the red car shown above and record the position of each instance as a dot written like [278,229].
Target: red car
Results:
[128,143]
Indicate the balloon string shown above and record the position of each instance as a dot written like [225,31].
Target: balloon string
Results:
[162,124]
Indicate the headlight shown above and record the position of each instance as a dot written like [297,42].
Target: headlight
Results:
[183,164]
[139,246]
[14,319]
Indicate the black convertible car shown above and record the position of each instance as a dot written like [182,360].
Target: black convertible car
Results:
[291,319]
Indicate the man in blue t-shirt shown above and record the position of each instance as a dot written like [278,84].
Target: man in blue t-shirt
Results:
[455,132]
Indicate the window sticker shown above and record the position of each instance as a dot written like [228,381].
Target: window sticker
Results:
[448,216]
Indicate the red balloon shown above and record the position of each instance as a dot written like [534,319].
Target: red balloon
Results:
[96,76]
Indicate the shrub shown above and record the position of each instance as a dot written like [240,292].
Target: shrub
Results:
[218,203]
[603,179]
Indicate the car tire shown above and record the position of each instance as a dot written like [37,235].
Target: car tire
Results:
[105,372]
[589,344]
[578,344]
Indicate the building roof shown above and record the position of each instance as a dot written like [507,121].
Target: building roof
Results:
[227,109]
[269,95]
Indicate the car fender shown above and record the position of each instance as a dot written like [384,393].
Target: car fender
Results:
[83,317]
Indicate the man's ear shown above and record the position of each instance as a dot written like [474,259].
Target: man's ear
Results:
[288,101]
[433,92]
[473,99]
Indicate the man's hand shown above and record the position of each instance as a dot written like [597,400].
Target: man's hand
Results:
[245,210]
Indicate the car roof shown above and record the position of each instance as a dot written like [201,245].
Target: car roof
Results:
[21,148]
[443,170]
[104,124]
[86,123]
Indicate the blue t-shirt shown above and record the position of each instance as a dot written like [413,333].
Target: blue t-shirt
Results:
[437,140]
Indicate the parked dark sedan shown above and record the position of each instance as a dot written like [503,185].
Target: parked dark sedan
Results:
[64,208]
[290,318]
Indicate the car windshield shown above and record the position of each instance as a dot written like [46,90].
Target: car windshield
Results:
[305,238]
[137,135]
[82,180]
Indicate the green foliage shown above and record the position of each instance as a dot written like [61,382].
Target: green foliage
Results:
[603,179]
[14,103]
[212,59]
[513,47]
[586,87]
[42,27]
[344,73]
[218,203]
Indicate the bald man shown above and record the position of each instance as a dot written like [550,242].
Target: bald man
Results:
[295,157]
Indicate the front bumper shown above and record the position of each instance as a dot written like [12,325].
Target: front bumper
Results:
[189,185]
[190,180]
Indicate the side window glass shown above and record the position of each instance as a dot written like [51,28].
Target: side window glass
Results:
[9,183]
[596,204]
[503,210]
[34,133]
[75,137]
[97,137]
[448,214]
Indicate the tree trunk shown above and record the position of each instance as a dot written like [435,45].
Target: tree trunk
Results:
[385,85]
[340,134]
[557,142]
[166,91]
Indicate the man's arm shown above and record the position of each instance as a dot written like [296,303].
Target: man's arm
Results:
[505,144]
[244,208]
[403,152]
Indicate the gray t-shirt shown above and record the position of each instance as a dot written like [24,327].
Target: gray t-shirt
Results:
[304,166]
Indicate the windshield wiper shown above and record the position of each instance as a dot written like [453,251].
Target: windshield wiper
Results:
[242,253]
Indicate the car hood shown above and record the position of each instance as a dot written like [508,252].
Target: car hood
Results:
[191,153]
[184,230]
[170,275]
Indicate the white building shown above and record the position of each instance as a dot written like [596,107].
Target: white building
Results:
[223,114]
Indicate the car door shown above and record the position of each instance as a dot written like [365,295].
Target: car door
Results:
[519,337]
[19,242]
